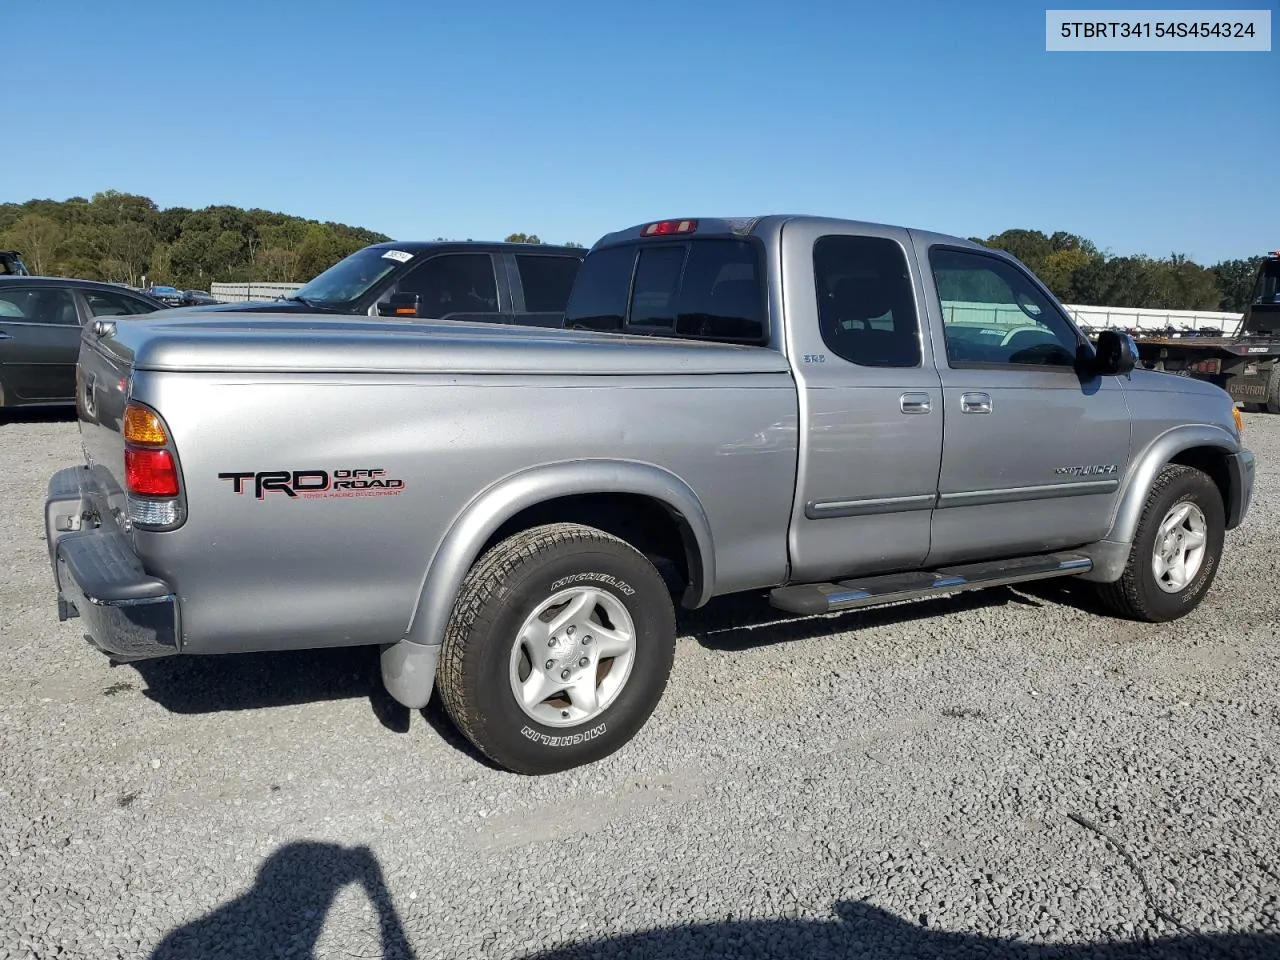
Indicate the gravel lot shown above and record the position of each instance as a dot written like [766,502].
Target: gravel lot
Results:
[933,780]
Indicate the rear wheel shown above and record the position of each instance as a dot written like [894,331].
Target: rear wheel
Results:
[1273,390]
[559,648]
[1175,554]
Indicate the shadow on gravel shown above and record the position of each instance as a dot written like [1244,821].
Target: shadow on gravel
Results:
[741,622]
[254,681]
[283,914]
[1077,595]
[868,933]
[37,415]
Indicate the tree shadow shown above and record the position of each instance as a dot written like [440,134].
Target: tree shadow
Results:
[283,914]
[745,621]
[864,932]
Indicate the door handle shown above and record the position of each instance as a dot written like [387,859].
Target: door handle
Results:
[975,403]
[915,403]
[4,336]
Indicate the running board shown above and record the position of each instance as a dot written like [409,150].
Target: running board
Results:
[811,598]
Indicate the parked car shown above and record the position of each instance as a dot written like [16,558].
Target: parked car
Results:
[169,296]
[816,409]
[526,283]
[40,321]
[198,298]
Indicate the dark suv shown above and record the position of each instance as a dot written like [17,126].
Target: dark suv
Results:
[11,264]
[523,283]
[40,321]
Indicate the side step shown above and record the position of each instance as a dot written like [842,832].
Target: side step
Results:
[811,598]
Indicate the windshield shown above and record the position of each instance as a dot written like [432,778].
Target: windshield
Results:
[352,277]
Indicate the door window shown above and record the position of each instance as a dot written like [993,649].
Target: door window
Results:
[102,304]
[454,283]
[866,305]
[41,305]
[992,314]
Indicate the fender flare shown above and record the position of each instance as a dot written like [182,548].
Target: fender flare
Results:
[1152,460]
[498,503]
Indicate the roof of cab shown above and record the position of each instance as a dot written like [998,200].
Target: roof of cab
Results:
[421,246]
[748,226]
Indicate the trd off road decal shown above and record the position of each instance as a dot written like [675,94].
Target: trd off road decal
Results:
[313,484]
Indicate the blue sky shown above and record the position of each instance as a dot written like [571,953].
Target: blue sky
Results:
[571,119]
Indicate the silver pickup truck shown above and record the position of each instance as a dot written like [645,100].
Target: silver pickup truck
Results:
[836,413]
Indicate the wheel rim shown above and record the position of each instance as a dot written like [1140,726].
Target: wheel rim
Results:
[572,656]
[1181,541]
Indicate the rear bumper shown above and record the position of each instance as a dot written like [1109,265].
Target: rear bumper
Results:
[127,613]
[1241,467]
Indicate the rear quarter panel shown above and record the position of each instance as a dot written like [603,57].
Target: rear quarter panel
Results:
[281,572]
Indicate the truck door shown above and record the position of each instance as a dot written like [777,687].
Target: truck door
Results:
[871,423]
[1033,451]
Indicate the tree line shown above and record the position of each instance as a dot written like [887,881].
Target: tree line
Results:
[124,237]
[1078,273]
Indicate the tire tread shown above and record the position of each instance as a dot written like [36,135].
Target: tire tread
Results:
[1125,596]
[475,609]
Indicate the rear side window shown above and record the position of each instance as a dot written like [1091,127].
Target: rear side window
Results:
[866,304]
[114,305]
[702,289]
[546,281]
[599,297]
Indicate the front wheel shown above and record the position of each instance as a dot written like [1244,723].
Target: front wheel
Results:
[1175,554]
[559,648]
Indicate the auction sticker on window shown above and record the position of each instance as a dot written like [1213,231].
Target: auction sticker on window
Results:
[397,255]
[1118,31]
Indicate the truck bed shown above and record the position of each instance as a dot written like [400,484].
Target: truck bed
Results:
[284,344]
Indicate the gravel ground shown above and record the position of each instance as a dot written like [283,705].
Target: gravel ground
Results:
[1001,774]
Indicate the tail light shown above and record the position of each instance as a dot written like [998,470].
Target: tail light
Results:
[152,478]
[1212,366]
[665,228]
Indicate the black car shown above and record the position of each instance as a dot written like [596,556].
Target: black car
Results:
[525,283]
[40,321]
[171,296]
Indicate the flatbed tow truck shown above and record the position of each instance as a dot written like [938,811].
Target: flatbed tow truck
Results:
[1245,363]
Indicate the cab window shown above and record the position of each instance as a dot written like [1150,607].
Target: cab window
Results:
[992,314]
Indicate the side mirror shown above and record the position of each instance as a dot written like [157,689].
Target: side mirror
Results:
[399,305]
[1117,354]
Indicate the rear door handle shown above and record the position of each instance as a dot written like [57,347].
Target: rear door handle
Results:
[915,403]
[975,403]
[4,336]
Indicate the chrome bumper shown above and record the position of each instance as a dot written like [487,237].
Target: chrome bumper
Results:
[127,613]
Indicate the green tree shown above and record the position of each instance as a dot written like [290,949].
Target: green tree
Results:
[37,237]
[523,238]
[1235,280]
